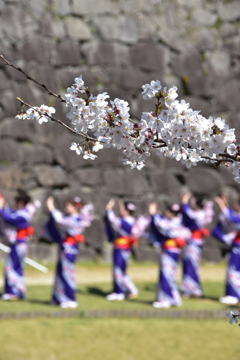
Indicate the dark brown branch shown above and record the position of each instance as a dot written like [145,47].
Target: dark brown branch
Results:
[86,137]
[50,92]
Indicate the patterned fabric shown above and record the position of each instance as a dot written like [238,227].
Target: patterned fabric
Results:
[14,280]
[233,272]
[227,231]
[119,229]
[14,226]
[167,232]
[191,264]
[64,288]
[195,220]
[65,231]
[122,284]
[167,289]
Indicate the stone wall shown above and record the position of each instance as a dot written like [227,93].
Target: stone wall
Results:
[118,45]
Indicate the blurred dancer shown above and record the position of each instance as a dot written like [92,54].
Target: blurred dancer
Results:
[66,231]
[171,236]
[120,233]
[15,225]
[195,216]
[228,231]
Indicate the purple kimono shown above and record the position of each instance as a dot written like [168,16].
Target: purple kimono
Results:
[66,232]
[119,232]
[165,232]
[195,220]
[228,232]
[15,227]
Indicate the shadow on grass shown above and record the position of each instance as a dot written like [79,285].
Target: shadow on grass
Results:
[39,302]
[96,291]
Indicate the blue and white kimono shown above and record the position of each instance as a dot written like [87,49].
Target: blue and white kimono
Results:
[195,221]
[171,236]
[15,226]
[119,232]
[228,232]
[66,232]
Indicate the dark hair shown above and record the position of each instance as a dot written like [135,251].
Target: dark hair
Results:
[130,207]
[200,201]
[174,209]
[76,201]
[22,197]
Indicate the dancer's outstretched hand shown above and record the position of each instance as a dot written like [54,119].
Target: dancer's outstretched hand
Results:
[153,208]
[50,203]
[110,204]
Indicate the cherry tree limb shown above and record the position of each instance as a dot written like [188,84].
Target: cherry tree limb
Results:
[50,92]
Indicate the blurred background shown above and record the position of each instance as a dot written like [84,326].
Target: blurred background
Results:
[118,45]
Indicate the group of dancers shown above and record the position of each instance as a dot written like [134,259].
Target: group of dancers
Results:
[181,228]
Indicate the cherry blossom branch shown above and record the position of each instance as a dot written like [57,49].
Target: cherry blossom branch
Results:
[50,92]
[86,137]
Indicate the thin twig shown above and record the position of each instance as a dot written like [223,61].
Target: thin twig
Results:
[86,137]
[50,92]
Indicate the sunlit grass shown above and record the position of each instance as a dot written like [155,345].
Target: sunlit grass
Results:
[121,339]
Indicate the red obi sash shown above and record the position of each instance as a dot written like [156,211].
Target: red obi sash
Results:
[237,239]
[200,233]
[24,233]
[72,240]
[174,243]
[125,242]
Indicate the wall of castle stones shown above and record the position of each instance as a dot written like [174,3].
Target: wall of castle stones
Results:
[118,45]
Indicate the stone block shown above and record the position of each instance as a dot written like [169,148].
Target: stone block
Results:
[202,17]
[68,53]
[165,182]
[233,90]
[188,64]
[9,151]
[12,128]
[131,77]
[42,252]
[211,254]
[10,177]
[78,29]
[92,7]
[35,154]
[61,7]
[232,45]
[9,104]
[145,253]
[4,83]
[206,39]
[122,28]
[229,11]
[99,53]
[90,177]
[36,48]
[66,157]
[197,103]
[50,176]
[218,63]
[36,7]
[12,23]
[86,253]
[129,182]
[95,234]
[200,86]
[203,180]
[149,57]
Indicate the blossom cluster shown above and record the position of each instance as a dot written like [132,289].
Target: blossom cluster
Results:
[40,114]
[172,128]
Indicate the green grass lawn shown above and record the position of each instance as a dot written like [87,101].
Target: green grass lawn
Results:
[94,283]
[92,296]
[117,338]
[120,339]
